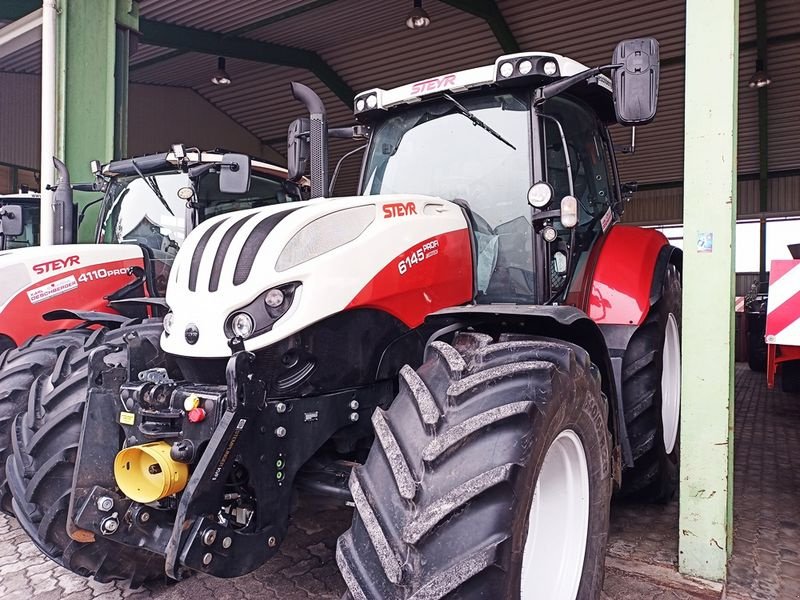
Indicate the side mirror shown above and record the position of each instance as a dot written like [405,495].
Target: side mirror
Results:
[63,207]
[636,81]
[11,220]
[234,176]
[298,148]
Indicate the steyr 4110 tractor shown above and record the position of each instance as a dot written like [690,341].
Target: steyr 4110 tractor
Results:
[474,332]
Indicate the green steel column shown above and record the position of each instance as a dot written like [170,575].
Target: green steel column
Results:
[706,486]
[88,95]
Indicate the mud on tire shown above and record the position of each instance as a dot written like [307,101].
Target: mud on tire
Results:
[40,470]
[443,501]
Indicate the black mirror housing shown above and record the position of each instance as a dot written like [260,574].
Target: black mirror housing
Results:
[636,80]
[234,175]
[298,148]
[11,220]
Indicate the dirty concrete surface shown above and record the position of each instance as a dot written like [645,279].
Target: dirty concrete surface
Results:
[642,553]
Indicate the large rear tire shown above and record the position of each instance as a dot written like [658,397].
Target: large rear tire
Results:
[489,477]
[41,467]
[22,370]
[651,392]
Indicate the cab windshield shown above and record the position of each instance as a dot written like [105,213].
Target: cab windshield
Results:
[435,150]
[150,213]
[134,212]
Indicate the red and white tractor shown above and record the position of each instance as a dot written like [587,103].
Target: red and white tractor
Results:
[473,342]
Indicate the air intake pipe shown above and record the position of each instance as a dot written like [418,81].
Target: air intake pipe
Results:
[318,137]
[63,207]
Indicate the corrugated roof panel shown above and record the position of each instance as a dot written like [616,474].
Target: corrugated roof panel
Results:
[351,22]
[146,52]
[216,15]
[784,108]
[460,41]
[588,30]
[20,99]
[665,206]
[25,60]
[784,195]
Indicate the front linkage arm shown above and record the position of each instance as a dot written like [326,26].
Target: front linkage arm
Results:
[252,444]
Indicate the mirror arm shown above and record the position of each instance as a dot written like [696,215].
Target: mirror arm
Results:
[562,85]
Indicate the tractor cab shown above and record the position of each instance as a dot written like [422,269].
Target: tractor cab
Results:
[155,201]
[19,220]
[524,146]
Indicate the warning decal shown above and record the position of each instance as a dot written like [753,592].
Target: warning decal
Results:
[56,288]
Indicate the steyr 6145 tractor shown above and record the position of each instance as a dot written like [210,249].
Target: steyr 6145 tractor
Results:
[472,343]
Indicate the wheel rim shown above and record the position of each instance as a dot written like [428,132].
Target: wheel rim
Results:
[558,523]
[671,384]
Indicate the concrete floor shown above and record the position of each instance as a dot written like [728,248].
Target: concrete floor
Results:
[642,550]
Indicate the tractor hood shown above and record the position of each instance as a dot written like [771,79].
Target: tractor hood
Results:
[408,255]
[34,281]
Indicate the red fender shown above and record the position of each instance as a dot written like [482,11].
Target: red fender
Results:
[621,282]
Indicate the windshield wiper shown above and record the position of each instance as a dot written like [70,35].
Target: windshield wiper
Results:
[153,185]
[475,120]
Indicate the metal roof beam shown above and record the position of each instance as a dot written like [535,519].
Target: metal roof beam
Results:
[157,33]
[489,12]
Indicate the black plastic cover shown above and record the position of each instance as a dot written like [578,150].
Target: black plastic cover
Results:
[11,220]
[636,80]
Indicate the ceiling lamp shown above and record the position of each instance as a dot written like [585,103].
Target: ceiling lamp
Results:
[760,78]
[417,18]
[220,76]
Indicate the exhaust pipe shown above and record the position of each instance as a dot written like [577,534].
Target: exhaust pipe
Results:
[63,207]
[318,138]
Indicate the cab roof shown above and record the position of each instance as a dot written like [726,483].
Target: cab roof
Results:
[519,69]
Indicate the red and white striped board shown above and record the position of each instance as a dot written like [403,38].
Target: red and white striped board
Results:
[783,303]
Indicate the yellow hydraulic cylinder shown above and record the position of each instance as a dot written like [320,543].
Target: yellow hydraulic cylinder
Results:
[146,473]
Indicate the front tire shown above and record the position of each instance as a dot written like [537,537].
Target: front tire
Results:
[23,370]
[446,502]
[40,470]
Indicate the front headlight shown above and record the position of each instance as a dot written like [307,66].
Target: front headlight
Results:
[261,314]
[169,322]
[242,325]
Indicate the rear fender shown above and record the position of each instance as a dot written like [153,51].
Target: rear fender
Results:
[628,274]
[565,323]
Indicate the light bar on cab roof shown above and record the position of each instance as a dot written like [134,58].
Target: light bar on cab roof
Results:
[511,68]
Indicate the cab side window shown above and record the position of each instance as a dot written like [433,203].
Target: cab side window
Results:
[579,153]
